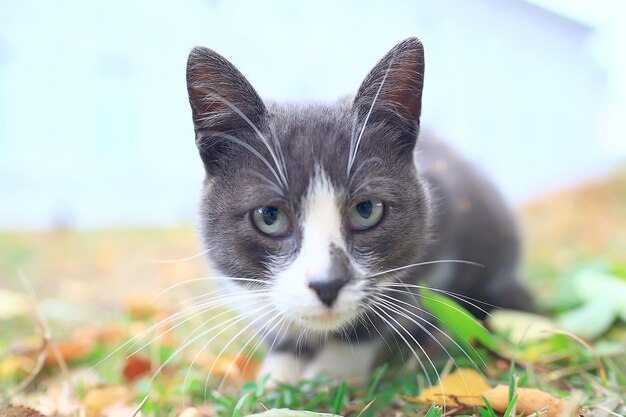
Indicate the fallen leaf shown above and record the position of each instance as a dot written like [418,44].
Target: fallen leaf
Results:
[19,411]
[99,398]
[464,385]
[591,320]
[119,410]
[69,350]
[12,365]
[142,308]
[237,368]
[136,367]
[529,401]
[190,412]
[13,304]
[519,326]
[112,334]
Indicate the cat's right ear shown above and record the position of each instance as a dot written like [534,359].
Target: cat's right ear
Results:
[223,104]
[392,91]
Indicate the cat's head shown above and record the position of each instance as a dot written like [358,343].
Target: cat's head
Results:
[303,204]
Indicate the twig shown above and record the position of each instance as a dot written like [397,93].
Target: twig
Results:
[41,360]
[47,341]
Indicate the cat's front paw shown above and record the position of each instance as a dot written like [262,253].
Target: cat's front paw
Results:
[342,362]
[282,367]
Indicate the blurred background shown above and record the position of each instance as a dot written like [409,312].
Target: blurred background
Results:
[95,126]
[100,177]
[99,174]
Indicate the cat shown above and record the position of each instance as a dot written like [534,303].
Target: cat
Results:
[323,217]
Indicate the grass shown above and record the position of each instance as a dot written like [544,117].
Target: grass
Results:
[94,288]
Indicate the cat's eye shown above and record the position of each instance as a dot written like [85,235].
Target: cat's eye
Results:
[366,214]
[271,221]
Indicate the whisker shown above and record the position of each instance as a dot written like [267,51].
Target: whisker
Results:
[237,319]
[460,297]
[382,310]
[258,338]
[233,321]
[201,312]
[135,339]
[352,157]
[279,149]
[249,148]
[211,278]
[185,259]
[440,261]
[232,339]
[359,167]
[393,309]
[423,328]
[466,314]
[377,309]
[257,131]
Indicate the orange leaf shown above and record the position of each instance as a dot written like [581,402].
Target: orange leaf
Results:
[238,368]
[136,367]
[70,350]
[529,401]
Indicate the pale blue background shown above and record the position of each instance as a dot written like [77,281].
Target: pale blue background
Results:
[95,128]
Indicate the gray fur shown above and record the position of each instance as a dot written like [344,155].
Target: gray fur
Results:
[437,205]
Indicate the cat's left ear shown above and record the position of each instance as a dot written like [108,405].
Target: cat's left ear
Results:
[223,104]
[392,91]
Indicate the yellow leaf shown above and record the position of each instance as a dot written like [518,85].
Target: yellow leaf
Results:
[464,385]
[529,401]
[12,304]
[100,398]
[522,327]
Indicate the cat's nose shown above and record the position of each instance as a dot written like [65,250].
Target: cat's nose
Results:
[327,290]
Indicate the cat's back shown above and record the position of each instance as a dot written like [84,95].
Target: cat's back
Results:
[471,220]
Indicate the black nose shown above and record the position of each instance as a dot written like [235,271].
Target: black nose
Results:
[327,290]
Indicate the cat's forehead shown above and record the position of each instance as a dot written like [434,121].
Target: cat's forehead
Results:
[315,140]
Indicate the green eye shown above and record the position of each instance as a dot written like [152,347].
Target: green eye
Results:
[366,214]
[271,221]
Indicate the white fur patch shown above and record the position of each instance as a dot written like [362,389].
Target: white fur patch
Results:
[321,227]
[338,360]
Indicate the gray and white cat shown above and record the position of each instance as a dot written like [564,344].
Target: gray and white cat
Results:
[326,216]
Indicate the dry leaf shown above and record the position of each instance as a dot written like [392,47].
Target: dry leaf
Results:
[103,397]
[13,304]
[142,308]
[136,367]
[529,401]
[19,411]
[70,349]
[190,412]
[464,385]
[520,326]
[237,368]
[12,365]
[119,410]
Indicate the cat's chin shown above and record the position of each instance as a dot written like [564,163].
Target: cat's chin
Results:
[327,320]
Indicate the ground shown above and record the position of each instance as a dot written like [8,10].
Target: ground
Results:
[93,290]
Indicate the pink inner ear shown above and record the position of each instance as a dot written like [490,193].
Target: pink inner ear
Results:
[403,87]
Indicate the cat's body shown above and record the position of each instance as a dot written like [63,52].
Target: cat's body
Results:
[319,213]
